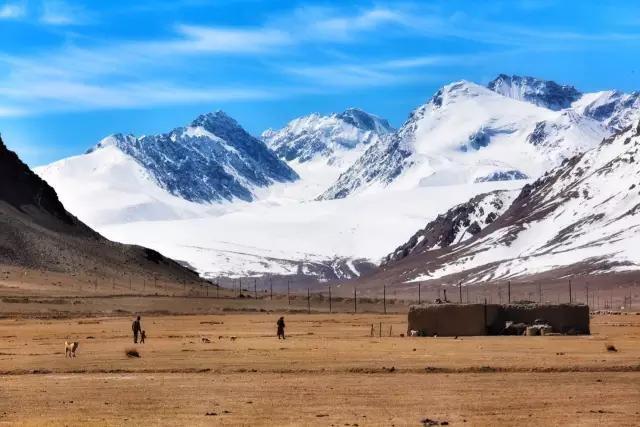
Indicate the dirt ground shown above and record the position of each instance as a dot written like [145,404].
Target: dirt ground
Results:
[329,371]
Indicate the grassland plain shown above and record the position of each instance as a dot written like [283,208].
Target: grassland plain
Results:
[329,371]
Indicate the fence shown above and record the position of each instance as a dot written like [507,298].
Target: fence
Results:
[345,297]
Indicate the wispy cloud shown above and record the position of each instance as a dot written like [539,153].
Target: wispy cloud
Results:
[304,49]
[400,70]
[200,39]
[59,12]
[12,10]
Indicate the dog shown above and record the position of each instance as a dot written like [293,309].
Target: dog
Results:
[413,333]
[70,348]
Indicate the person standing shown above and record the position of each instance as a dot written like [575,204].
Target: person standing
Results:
[136,328]
[280,324]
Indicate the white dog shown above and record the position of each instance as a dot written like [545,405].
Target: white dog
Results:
[70,348]
[413,333]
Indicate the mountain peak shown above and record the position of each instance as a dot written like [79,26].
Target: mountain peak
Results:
[113,140]
[543,93]
[213,159]
[363,120]
[215,120]
[316,135]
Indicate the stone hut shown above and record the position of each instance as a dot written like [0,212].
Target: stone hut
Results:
[491,319]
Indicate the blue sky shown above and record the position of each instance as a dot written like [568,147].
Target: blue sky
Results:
[72,72]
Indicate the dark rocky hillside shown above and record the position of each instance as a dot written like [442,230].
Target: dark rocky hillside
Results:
[36,232]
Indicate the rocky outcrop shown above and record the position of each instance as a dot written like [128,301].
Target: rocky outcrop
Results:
[543,93]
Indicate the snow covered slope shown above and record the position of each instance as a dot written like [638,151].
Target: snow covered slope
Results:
[309,137]
[468,133]
[106,186]
[319,148]
[584,215]
[458,224]
[169,176]
[613,108]
[282,235]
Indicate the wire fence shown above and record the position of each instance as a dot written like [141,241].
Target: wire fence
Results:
[348,298]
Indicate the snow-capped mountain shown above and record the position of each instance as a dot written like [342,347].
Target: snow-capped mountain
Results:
[468,133]
[126,178]
[210,160]
[582,217]
[309,137]
[543,93]
[465,143]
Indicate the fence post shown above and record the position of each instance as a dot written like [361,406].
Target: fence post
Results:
[540,293]
[460,291]
[355,301]
[509,291]
[419,293]
[329,298]
[255,289]
[384,298]
[288,293]
[270,288]
[380,331]
[587,289]
[570,296]
[308,302]
[485,315]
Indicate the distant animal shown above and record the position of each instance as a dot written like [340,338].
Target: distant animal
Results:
[413,333]
[233,338]
[70,348]
[220,337]
[206,340]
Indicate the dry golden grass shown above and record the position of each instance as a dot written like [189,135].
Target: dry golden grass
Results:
[329,371]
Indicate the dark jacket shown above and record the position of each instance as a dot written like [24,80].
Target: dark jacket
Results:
[135,326]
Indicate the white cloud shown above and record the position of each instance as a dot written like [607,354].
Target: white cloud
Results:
[214,39]
[7,111]
[313,23]
[59,12]
[44,96]
[12,11]
[294,47]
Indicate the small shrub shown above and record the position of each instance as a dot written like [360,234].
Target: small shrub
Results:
[132,352]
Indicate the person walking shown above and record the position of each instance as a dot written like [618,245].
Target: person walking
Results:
[280,324]
[136,328]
